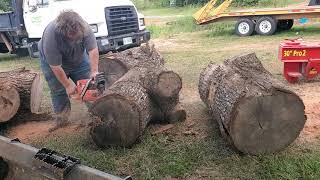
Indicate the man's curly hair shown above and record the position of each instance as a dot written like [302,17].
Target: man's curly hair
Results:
[70,23]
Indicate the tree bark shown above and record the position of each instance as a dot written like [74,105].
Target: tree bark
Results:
[29,86]
[162,85]
[125,110]
[255,111]
[115,65]
[146,92]
[9,102]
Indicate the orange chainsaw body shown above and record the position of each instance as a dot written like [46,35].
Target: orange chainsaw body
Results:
[91,94]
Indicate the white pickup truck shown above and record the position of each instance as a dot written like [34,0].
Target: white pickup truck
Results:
[116,24]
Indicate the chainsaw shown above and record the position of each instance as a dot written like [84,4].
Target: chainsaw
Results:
[90,89]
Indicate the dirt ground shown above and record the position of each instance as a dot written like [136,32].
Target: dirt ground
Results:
[309,92]
[28,132]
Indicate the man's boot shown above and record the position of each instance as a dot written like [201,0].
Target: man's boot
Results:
[61,119]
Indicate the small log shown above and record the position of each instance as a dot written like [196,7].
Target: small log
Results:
[255,111]
[9,102]
[29,86]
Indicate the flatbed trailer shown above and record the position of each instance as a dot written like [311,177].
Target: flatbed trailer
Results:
[262,21]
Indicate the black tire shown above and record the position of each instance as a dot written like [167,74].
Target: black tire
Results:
[3,48]
[244,27]
[266,26]
[22,52]
[284,25]
[4,169]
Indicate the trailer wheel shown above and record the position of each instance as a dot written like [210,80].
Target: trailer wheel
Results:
[4,169]
[244,27]
[285,24]
[266,26]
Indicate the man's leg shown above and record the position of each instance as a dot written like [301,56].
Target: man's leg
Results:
[59,97]
[81,72]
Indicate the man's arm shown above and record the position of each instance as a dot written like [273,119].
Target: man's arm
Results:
[94,61]
[63,79]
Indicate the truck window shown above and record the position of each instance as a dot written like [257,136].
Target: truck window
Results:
[42,2]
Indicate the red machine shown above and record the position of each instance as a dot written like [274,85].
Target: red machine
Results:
[90,89]
[301,59]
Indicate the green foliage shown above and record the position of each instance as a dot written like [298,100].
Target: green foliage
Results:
[144,4]
[5,5]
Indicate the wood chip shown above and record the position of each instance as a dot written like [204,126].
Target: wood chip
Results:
[162,129]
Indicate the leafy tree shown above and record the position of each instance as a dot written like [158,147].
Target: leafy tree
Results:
[5,5]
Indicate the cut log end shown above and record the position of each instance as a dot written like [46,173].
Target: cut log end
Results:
[120,122]
[169,84]
[9,103]
[113,69]
[36,94]
[267,124]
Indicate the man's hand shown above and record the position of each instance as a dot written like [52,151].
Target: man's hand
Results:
[71,89]
[63,79]
[93,75]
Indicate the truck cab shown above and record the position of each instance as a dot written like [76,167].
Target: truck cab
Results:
[117,25]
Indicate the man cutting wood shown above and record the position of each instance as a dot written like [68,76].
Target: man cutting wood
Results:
[68,50]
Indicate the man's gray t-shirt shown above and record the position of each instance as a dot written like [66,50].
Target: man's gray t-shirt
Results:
[58,50]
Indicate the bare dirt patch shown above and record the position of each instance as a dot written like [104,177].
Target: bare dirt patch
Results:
[310,94]
[33,129]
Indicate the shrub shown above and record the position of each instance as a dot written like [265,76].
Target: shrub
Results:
[5,5]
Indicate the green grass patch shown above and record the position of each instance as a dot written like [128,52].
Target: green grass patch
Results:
[182,11]
[291,166]
[187,24]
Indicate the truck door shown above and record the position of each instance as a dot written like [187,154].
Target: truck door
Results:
[36,17]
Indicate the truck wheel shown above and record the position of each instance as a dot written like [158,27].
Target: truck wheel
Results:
[22,52]
[4,169]
[266,26]
[3,48]
[244,27]
[285,24]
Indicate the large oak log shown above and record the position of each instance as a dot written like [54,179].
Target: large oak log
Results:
[145,91]
[162,85]
[20,90]
[125,111]
[255,111]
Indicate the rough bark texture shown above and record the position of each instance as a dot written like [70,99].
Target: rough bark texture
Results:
[9,102]
[162,85]
[255,111]
[140,90]
[125,109]
[28,85]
